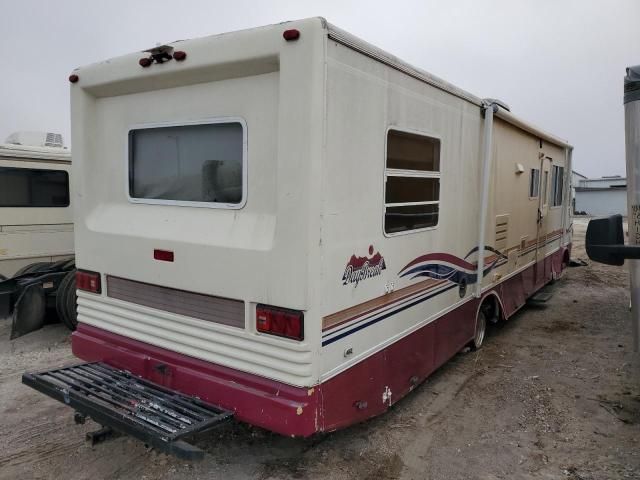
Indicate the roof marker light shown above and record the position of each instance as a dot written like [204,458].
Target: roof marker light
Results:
[292,34]
[73,78]
[163,255]
[179,55]
[145,62]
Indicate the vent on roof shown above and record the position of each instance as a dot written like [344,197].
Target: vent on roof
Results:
[53,140]
[36,139]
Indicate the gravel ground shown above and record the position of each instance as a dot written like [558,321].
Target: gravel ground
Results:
[553,394]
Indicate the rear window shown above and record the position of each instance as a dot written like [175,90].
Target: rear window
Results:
[31,187]
[203,163]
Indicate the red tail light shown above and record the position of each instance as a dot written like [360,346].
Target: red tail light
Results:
[280,321]
[88,281]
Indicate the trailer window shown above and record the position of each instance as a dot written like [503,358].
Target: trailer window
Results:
[557,185]
[534,183]
[412,182]
[201,163]
[31,187]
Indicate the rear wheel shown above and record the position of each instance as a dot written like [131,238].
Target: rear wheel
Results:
[481,329]
[66,301]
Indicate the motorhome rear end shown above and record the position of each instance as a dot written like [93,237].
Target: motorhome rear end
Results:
[287,225]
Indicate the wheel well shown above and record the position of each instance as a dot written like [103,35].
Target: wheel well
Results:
[491,308]
[566,258]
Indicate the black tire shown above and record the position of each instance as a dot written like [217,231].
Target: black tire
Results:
[66,301]
[32,268]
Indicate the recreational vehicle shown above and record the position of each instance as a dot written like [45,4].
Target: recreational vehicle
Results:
[293,227]
[36,221]
[36,231]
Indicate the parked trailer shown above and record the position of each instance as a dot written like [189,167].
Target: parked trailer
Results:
[295,227]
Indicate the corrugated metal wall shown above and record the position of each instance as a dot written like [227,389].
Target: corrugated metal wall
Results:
[602,202]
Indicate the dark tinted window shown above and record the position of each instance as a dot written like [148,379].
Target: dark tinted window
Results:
[30,187]
[412,182]
[408,151]
[534,182]
[557,184]
[189,163]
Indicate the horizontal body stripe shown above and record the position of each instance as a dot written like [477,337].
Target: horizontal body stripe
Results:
[431,292]
[339,318]
[387,315]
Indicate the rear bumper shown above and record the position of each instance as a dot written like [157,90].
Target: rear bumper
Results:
[259,401]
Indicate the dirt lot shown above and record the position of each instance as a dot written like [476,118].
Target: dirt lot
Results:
[554,393]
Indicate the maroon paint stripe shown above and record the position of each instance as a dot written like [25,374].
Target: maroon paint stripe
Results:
[276,406]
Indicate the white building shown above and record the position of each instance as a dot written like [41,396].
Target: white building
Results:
[600,196]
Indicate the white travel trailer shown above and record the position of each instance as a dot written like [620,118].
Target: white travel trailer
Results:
[36,220]
[297,227]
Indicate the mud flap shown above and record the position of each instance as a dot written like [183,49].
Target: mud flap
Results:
[7,290]
[29,311]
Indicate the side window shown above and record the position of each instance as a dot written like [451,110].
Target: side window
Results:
[31,187]
[557,185]
[545,183]
[534,183]
[412,182]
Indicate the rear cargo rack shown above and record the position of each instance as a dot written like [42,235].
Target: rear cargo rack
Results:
[158,416]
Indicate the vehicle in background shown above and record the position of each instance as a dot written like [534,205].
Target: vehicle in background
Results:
[293,227]
[36,231]
[36,218]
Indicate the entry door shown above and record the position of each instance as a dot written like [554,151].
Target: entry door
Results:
[543,210]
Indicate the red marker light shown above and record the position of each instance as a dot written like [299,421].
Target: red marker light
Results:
[74,78]
[292,34]
[179,55]
[163,255]
[145,62]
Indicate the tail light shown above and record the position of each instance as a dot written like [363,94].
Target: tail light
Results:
[88,281]
[280,321]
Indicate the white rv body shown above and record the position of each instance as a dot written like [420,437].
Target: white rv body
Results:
[382,307]
[35,226]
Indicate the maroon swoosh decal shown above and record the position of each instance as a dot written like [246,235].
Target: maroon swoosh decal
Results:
[444,257]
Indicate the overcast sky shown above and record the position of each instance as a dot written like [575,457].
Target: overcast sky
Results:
[558,64]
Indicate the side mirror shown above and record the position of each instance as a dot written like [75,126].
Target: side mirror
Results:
[605,241]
